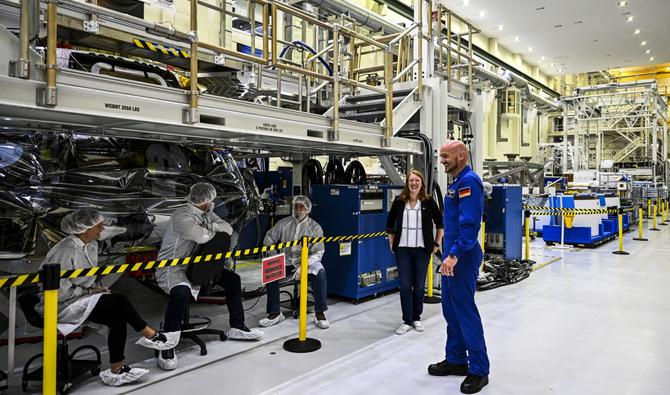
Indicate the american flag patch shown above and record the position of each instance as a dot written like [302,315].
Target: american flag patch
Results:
[464,192]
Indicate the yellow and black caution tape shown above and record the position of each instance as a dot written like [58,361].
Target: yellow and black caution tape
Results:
[156,47]
[542,210]
[34,278]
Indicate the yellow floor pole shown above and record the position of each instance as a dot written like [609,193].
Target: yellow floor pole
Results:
[640,214]
[661,206]
[304,255]
[527,232]
[302,343]
[429,284]
[620,251]
[51,281]
[483,242]
[648,208]
[654,228]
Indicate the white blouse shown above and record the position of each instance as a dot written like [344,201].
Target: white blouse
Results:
[412,233]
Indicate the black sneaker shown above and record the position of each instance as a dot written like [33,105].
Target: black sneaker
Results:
[445,368]
[473,384]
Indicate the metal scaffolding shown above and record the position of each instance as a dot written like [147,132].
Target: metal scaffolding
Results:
[622,122]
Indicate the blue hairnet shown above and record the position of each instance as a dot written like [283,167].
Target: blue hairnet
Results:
[81,220]
[201,192]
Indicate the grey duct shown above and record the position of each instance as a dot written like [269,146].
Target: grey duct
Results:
[95,69]
[365,17]
[496,80]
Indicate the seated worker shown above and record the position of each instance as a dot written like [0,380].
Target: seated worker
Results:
[83,298]
[190,225]
[294,228]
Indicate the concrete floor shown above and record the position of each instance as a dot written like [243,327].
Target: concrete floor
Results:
[587,322]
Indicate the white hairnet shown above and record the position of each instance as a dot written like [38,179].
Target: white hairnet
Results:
[201,192]
[488,189]
[304,200]
[81,220]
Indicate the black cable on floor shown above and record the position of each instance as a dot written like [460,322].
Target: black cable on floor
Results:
[499,272]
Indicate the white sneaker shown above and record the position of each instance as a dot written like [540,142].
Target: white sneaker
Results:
[162,341]
[418,326]
[244,333]
[404,328]
[124,376]
[323,324]
[265,322]
[167,359]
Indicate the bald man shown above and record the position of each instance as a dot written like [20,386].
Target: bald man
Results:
[465,352]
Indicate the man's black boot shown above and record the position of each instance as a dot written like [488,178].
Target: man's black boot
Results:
[445,368]
[473,384]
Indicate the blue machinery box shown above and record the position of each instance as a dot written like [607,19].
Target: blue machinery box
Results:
[504,218]
[359,268]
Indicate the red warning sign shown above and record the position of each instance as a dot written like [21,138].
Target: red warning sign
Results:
[273,268]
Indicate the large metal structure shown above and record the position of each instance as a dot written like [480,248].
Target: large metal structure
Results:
[622,122]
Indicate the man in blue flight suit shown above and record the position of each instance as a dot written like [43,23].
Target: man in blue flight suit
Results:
[462,256]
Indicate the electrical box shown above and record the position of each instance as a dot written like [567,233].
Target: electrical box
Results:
[358,268]
[504,222]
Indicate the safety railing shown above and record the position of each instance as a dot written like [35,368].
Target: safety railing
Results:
[452,45]
[348,56]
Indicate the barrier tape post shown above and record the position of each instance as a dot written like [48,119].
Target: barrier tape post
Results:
[655,229]
[526,214]
[483,240]
[648,208]
[430,298]
[663,211]
[620,251]
[640,214]
[51,282]
[303,344]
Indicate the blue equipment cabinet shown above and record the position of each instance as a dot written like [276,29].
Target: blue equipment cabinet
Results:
[504,219]
[358,268]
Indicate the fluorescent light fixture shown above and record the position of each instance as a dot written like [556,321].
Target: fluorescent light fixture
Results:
[630,19]
[647,51]
[482,13]
[652,58]
[622,3]
[637,31]
[500,27]
[643,43]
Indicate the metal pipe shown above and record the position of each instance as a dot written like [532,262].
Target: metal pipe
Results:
[349,32]
[274,34]
[266,22]
[52,39]
[419,42]
[231,53]
[362,70]
[23,64]
[388,79]
[194,116]
[302,15]
[362,85]
[251,9]
[403,34]
[470,63]
[449,50]
[320,53]
[303,71]
[335,136]
[405,70]
[319,87]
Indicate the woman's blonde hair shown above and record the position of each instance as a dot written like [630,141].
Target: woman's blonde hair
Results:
[423,195]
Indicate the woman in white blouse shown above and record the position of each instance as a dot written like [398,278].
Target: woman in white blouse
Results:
[411,238]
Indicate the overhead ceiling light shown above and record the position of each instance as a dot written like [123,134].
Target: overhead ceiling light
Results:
[630,19]
[622,3]
[500,27]
[482,14]
[643,43]
[647,51]
[667,69]
[543,57]
[551,65]
[559,70]
[516,38]
[637,31]
[652,58]
[466,2]
[530,49]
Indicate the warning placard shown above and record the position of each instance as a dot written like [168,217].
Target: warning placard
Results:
[273,268]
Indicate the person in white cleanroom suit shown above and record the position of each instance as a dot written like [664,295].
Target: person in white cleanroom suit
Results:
[82,298]
[194,224]
[294,227]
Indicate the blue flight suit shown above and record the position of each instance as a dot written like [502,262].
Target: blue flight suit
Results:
[463,209]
